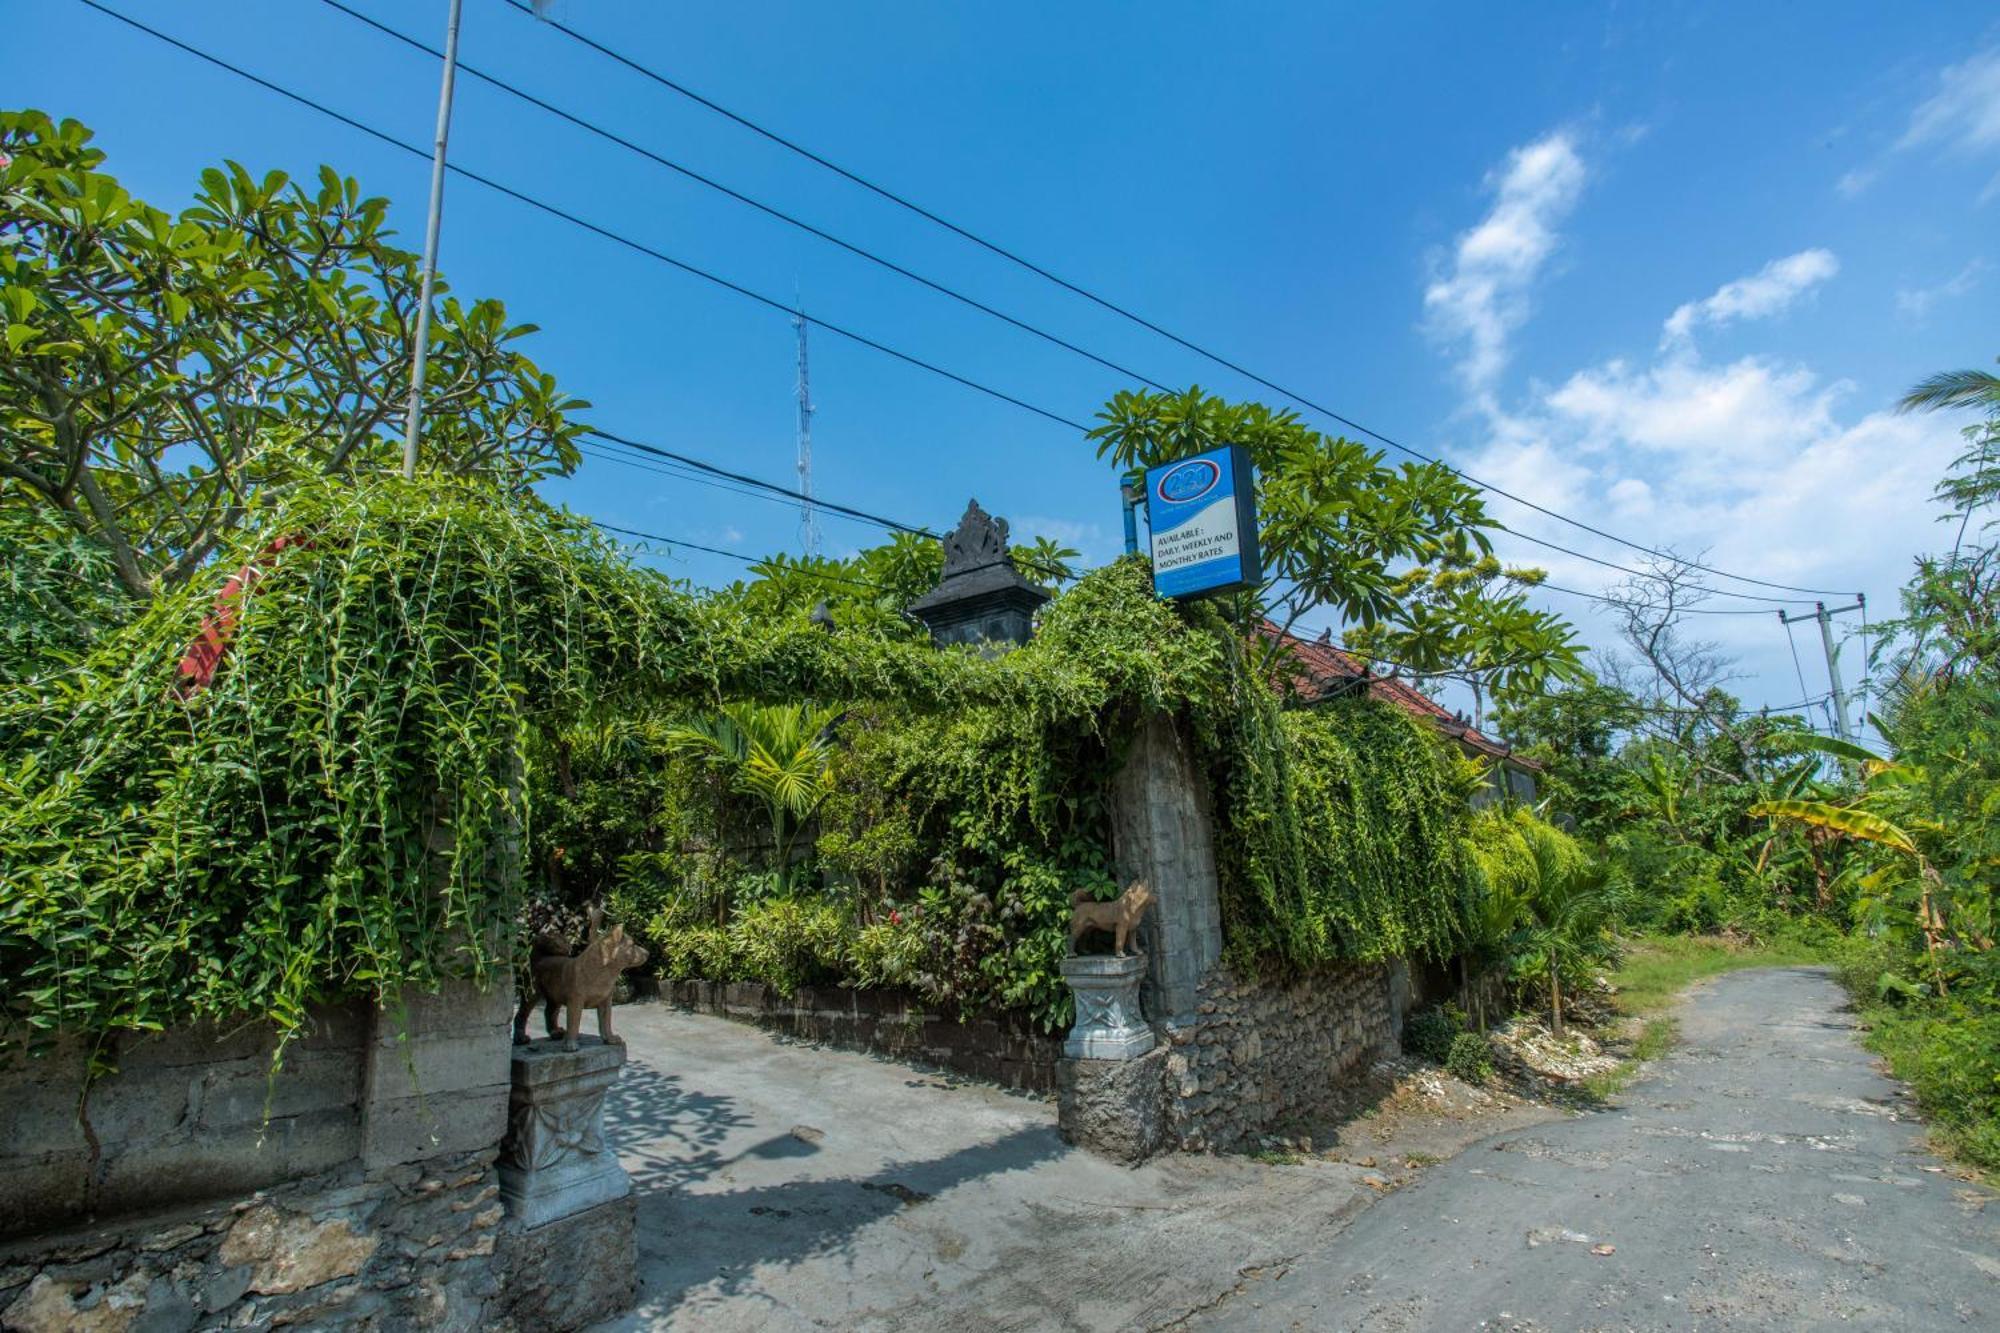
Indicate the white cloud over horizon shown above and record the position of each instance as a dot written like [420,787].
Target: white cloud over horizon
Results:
[1964,114]
[1768,292]
[1960,119]
[1917,302]
[1758,464]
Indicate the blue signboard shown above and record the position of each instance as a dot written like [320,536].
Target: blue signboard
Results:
[1203,515]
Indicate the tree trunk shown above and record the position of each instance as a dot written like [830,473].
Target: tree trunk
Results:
[1556,999]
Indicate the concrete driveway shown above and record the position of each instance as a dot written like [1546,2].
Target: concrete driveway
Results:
[787,1186]
[1762,1176]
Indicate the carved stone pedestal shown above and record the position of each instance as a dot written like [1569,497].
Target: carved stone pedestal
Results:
[555,1161]
[1108,1024]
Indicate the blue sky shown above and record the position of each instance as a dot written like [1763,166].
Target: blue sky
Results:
[1664,268]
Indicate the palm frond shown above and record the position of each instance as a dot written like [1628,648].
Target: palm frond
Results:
[1950,389]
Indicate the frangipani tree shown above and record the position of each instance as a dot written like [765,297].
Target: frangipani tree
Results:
[159,371]
[1402,554]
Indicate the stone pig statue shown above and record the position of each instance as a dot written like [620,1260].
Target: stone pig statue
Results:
[579,982]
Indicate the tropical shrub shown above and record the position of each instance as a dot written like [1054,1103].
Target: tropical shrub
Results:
[1429,1033]
[1470,1058]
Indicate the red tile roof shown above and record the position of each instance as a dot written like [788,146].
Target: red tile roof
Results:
[1321,671]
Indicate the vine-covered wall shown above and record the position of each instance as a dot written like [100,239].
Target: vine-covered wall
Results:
[337,804]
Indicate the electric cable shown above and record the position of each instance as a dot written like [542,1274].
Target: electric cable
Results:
[762,207]
[1214,357]
[837,329]
[594,228]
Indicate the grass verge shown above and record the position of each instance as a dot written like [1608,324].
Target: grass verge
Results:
[1657,968]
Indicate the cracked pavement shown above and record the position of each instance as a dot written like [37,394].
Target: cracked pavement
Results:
[1762,1175]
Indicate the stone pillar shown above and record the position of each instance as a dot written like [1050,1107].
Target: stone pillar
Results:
[1108,1025]
[1162,833]
[570,1250]
[555,1161]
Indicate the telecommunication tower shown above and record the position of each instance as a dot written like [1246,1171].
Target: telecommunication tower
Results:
[808,525]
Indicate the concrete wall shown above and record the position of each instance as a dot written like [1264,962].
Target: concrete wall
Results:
[197,1114]
[370,1195]
[1006,1048]
[1162,833]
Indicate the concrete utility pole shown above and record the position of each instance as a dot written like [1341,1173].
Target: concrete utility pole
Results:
[413,423]
[1825,619]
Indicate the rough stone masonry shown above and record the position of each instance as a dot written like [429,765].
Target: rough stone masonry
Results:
[359,1189]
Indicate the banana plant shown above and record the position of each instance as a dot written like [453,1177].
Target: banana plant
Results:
[1881,780]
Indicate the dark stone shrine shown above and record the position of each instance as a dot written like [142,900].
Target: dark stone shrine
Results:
[982,599]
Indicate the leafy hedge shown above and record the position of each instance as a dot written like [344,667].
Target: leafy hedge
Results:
[1341,830]
[342,810]
[338,811]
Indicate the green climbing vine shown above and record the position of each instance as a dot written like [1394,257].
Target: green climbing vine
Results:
[338,808]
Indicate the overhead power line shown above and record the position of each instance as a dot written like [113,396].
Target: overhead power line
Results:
[770,302]
[769,210]
[592,227]
[1123,312]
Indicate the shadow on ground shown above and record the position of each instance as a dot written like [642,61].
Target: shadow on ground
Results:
[665,1132]
[720,1239]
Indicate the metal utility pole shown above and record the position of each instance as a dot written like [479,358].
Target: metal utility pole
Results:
[808,526]
[413,423]
[1825,619]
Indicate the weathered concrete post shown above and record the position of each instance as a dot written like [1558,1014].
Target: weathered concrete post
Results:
[1162,833]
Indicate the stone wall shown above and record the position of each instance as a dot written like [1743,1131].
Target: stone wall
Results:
[408,1246]
[1005,1048]
[1257,1056]
[1261,1054]
[370,1195]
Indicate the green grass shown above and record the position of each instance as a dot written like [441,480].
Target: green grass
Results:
[1657,968]
[1656,1038]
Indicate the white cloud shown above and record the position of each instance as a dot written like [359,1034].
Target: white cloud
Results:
[1749,466]
[1854,182]
[1754,464]
[1483,297]
[1765,293]
[1964,115]
[1961,118]
[1916,302]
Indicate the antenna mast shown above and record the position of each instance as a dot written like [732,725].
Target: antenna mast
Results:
[808,526]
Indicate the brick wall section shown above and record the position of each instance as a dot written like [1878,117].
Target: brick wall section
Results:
[1261,1054]
[1004,1048]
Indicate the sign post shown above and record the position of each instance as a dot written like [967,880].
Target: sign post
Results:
[1203,515]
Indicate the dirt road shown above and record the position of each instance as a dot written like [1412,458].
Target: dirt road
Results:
[1762,1175]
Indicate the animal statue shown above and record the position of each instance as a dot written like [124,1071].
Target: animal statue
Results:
[1119,917]
[577,982]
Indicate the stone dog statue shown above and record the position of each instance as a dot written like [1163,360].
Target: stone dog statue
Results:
[579,982]
[1119,917]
